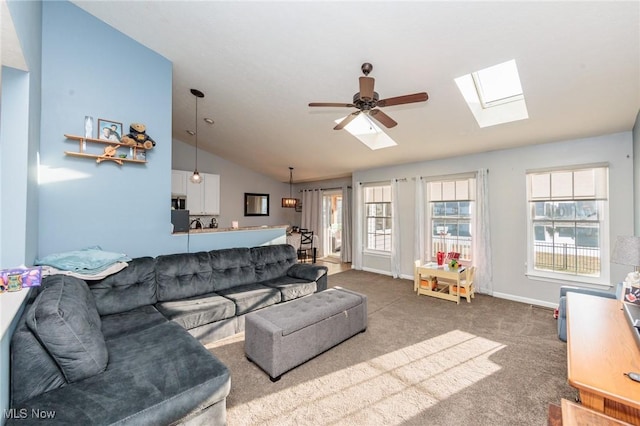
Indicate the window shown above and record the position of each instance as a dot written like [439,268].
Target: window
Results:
[451,209]
[494,95]
[377,208]
[368,132]
[567,223]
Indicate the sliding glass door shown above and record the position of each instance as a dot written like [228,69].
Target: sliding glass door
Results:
[332,210]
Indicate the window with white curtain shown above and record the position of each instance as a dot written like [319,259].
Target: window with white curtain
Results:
[567,215]
[377,212]
[451,205]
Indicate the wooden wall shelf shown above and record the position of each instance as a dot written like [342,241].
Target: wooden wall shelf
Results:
[109,154]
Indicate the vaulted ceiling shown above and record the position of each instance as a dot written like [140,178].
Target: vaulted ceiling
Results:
[261,63]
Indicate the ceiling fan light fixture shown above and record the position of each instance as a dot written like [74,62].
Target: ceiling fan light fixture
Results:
[195,177]
[290,202]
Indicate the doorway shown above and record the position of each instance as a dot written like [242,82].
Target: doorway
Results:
[332,220]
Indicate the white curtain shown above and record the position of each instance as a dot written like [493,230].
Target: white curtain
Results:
[419,222]
[395,239]
[312,215]
[345,251]
[482,236]
[357,228]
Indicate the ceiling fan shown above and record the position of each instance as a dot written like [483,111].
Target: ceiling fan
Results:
[367,101]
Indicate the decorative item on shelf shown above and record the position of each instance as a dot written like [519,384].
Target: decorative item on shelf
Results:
[627,252]
[109,153]
[440,257]
[138,136]
[454,264]
[88,126]
[290,202]
[109,130]
[195,177]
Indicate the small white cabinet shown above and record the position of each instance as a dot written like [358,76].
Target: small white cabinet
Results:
[179,180]
[203,198]
[211,193]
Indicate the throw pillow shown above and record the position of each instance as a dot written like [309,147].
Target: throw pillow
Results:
[65,320]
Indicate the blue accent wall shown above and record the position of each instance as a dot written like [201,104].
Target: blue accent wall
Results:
[89,68]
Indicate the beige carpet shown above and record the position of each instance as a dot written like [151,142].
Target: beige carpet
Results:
[422,361]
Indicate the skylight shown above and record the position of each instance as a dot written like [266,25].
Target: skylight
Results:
[367,131]
[494,94]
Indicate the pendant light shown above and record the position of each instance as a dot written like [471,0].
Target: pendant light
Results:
[195,177]
[289,202]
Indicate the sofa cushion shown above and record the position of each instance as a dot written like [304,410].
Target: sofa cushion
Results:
[29,356]
[196,311]
[250,297]
[231,267]
[273,261]
[65,319]
[131,288]
[183,275]
[130,322]
[291,288]
[155,376]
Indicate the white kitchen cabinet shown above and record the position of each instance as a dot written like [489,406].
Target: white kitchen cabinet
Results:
[204,198]
[211,193]
[179,180]
[195,197]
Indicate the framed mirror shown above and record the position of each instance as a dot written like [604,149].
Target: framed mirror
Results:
[256,204]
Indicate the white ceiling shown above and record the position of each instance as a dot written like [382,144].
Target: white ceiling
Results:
[260,64]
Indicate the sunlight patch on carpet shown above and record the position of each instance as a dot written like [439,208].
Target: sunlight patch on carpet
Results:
[390,389]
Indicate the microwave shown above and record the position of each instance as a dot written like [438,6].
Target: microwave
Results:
[178,203]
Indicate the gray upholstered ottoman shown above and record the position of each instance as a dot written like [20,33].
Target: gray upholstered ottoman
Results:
[281,337]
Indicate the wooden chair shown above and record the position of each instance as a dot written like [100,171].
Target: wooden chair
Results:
[467,289]
[306,249]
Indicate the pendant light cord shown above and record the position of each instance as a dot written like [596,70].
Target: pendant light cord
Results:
[196,120]
[290,180]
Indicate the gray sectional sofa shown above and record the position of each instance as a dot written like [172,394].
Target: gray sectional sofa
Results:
[128,349]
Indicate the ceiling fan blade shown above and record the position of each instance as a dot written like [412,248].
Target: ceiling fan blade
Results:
[366,87]
[382,118]
[406,99]
[330,104]
[346,120]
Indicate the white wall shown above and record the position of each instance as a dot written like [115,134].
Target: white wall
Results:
[507,187]
[319,184]
[636,173]
[235,180]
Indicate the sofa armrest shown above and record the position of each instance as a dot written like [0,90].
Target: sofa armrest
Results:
[310,272]
[562,304]
[602,293]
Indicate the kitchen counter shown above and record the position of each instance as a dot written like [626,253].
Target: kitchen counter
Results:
[242,228]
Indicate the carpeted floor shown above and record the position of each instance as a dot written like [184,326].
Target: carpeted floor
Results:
[422,361]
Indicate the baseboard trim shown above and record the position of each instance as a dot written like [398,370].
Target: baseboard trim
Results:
[499,295]
[377,271]
[526,300]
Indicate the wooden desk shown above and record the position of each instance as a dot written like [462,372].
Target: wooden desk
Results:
[577,415]
[441,271]
[600,348]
